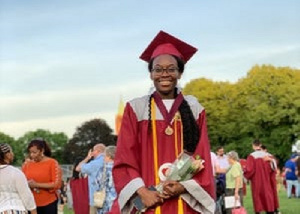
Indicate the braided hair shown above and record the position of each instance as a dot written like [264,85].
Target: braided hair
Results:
[4,149]
[191,132]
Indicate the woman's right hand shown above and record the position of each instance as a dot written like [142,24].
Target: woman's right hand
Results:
[236,196]
[150,198]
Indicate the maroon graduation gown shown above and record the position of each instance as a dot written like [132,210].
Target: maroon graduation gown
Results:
[80,195]
[261,174]
[134,162]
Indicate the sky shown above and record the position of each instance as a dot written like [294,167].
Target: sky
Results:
[63,63]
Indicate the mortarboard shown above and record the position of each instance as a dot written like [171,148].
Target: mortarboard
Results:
[164,43]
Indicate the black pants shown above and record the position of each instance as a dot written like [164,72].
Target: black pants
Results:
[48,209]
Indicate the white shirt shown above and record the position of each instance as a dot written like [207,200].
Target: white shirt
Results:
[168,103]
[214,162]
[223,162]
[14,191]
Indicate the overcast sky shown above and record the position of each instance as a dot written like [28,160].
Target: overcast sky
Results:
[66,62]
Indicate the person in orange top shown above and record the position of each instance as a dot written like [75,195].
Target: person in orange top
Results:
[44,176]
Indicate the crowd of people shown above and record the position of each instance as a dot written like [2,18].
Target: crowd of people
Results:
[38,187]
[156,130]
[261,170]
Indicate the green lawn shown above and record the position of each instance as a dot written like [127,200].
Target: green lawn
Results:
[287,206]
[67,211]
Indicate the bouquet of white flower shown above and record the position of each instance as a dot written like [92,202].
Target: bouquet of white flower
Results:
[182,169]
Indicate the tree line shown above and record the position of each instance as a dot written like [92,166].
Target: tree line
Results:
[265,105]
[64,150]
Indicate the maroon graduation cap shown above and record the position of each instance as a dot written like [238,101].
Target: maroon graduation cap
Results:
[165,43]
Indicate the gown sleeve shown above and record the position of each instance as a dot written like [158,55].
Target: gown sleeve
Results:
[126,163]
[250,167]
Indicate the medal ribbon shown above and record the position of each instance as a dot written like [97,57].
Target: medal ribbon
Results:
[155,152]
[168,116]
[180,203]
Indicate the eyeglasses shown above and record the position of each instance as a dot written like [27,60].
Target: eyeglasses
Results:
[159,70]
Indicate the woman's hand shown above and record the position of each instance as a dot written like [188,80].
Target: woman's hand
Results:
[172,189]
[236,196]
[32,184]
[150,198]
[267,158]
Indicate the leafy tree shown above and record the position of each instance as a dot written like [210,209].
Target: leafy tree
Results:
[86,136]
[265,105]
[56,142]
[217,99]
[270,102]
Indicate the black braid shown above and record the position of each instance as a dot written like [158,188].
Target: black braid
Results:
[149,114]
[190,127]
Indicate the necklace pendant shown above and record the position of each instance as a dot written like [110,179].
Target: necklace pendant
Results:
[169,130]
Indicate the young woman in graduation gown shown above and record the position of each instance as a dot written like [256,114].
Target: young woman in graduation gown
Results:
[155,129]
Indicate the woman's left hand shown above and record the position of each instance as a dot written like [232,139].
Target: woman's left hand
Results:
[172,189]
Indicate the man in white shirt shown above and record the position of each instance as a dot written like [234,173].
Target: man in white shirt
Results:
[223,163]
[222,158]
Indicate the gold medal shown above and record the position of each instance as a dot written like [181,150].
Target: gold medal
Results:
[169,130]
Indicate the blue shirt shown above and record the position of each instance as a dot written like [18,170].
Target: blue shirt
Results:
[92,169]
[290,175]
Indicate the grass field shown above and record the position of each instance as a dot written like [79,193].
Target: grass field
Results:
[287,206]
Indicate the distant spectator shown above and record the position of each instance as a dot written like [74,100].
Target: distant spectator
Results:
[80,190]
[275,178]
[92,168]
[107,181]
[222,158]
[75,173]
[44,176]
[298,174]
[261,175]
[291,176]
[234,178]
[15,195]
[264,148]
[69,194]
[223,164]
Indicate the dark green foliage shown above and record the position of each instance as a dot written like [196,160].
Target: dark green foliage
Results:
[86,136]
